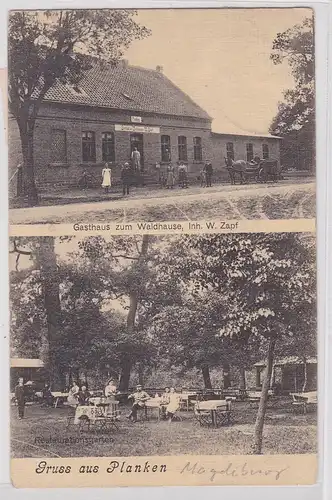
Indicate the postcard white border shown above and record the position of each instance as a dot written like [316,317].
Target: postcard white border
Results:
[324,222]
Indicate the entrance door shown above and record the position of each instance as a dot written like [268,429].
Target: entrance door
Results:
[136,141]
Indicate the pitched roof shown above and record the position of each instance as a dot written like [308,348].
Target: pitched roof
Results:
[26,363]
[289,360]
[128,88]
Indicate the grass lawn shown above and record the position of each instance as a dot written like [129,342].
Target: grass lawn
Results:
[284,433]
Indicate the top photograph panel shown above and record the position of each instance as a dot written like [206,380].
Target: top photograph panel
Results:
[161,115]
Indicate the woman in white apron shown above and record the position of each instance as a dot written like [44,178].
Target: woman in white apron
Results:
[173,405]
[106,175]
[73,395]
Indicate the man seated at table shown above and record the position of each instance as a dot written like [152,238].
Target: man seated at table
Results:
[47,396]
[139,397]
[83,396]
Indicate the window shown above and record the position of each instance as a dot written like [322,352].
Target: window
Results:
[250,152]
[58,146]
[265,149]
[107,146]
[88,146]
[197,148]
[165,148]
[182,146]
[230,150]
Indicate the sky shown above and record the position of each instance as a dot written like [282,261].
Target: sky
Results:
[221,59]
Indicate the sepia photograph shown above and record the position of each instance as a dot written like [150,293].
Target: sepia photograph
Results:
[163,346]
[123,115]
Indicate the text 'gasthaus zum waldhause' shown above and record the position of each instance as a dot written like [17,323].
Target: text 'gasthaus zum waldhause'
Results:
[160,227]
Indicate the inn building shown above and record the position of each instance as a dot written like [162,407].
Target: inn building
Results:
[115,109]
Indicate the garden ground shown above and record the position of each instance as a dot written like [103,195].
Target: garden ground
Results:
[43,433]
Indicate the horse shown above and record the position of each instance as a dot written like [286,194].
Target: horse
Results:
[241,168]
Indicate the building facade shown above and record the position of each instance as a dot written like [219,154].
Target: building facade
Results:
[115,110]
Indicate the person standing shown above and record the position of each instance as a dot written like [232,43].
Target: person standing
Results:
[170,177]
[126,178]
[136,160]
[208,173]
[106,175]
[20,398]
[183,175]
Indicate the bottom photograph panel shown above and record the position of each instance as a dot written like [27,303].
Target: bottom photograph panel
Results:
[143,346]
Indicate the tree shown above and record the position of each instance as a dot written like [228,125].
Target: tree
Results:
[50,46]
[122,264]
[295,120]
[268,281]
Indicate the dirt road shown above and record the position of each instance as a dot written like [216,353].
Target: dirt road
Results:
[271,201]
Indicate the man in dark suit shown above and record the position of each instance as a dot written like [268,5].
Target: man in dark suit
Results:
[20,397]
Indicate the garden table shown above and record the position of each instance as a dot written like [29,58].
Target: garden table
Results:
[213,412]
[152,404]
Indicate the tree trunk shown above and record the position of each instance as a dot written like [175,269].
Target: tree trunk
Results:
[226,376]
[141,374]
[243,383]
[28,174]
[206,377]
[125,374]
[127,360]
[46,259]
[259,424]
[305,375]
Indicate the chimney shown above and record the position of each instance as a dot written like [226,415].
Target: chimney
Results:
[160,69]
[124,63]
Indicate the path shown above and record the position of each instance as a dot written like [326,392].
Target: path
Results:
[282,200]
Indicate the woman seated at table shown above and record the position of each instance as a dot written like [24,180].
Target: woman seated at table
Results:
[165,399]
[139,397]
[173,405]
[110,390]
[73,395]
[83,396]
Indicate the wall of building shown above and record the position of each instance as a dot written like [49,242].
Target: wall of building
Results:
[219,151]
[75,120]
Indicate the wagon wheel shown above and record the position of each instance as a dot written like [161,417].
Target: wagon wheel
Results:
[261,175]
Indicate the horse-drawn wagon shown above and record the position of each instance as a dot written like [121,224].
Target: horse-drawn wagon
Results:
[257,170]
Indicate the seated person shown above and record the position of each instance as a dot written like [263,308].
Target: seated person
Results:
[47,397]
[110,390]
[173,405]
[165,399]
[73,395]
[139,397]
[83,396]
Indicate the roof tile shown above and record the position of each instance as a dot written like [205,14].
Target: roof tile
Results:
[128,88]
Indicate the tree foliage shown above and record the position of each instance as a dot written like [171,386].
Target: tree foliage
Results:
[49,46]
[295,120]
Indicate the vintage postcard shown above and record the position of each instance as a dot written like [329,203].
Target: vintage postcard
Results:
[162,247]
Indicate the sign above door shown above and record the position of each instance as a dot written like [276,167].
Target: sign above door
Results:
[143,129]
[136,119]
